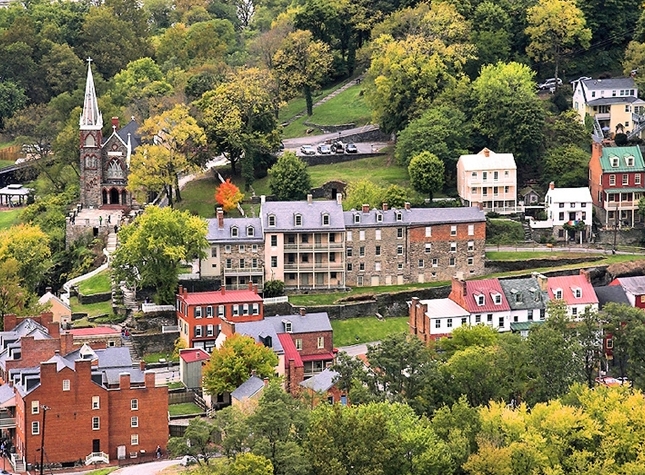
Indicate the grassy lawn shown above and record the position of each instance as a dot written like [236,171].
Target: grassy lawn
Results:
[9,218]
[92,309]
[102,471]
[366,329]
[155,357]
[98,284]
[297,105]
[198,196]
[184,409]
[6,163]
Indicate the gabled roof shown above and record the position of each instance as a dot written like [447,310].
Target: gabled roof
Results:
[61,362]
[444,308]
[309,323]
[610,294]
[216,297]
[321,382]
[489,288]
[569,195]
[494,161]
[633,285]
[311,214]
[567,284]
[259,331]
[191,355]
[130,132]
[609,101]
[414,217]
[609,83]
[524,294]
[215,234]
[622,153]
[290,351]
[248,388]
[46,297]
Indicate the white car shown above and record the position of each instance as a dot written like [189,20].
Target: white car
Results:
[308,150]
[187,460]
[550,84]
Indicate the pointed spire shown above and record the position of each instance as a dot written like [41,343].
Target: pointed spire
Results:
[91,118]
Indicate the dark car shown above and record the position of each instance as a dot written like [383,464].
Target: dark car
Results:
[338,147]
[351,148]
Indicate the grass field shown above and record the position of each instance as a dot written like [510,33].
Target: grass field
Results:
[298,105]
[366,329]
[98,284]
[92,309]
[155,357]
[9,218]
[6,163]
[102,471]
[184,409]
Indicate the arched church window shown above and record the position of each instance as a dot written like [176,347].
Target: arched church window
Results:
[90,141]
[91,161]
[114,169]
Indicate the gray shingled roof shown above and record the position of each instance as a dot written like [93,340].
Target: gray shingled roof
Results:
[263,328]
[216,234]
[524,294]
[320,382]
[607,101]
[312,215]
[414,216]
[248,388]
[6,393]
[311,322]
[610,293]
[131,128]
[610,83]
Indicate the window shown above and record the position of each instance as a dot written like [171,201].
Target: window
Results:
[242,263]
[612,180]
[274,240]
[453,247]
[274,261]
[435,262]
[478,318]
[500,322]
[471,261]
[350,267]
[377,235]
[399,216]
[428,247]
[377,266]
[471,229]
[254,263]
[480,299]
[256,309]
[453,230]
[497,298]
[349,235]
[271,220]
[379,217]
[449,322]
[65,384]
[325,219]
[561,205]
[35,407]
[473,190]
[134,439]
[209,330]
[357,218]
[361,251]
[234,231]
[134,421]
[420,263]
[349,252]
[361,266]
[236,310]
[198,312]
[250,231]
[399,233]
[437,323]
[377,250]
[558,293]
[96,423]
[561,216]
[35,428]
[298,220]
[495,176]
[361,235]
[198,331]
[473,175]
[321,342]
[287,327]
[583,205]
[609,343]
[220,311]
[630,161]
[399,250]
[471,246]
[227,249]
[242,248]
[452,261]
[428,231]
[484,176]
[213,251]
[574,311]
[625,179]
[489,318]
[96,403]
[637,179]
[577,292]
[298,344]
[134,404]
[614,162]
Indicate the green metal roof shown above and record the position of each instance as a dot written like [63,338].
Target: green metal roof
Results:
[622,153]
[615,191]
[524,326]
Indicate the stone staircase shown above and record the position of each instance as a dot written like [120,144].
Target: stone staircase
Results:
[129,297]
[112,243]
[527,231]
[127,343]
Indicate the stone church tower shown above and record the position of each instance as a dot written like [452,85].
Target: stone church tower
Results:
[104,165]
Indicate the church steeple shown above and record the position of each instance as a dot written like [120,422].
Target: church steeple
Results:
[91,118]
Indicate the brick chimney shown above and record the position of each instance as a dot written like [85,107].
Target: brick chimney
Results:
[366,208]
[220,218]
[115,123]
[310,198]
[142,365]
[586,274]
[486,152]
[255,288]
[458,290]
[303,311]
[384,206]
[222,289]
[542,282]
[149,379]
[181,290]
[124,380]
[552,186]
[251,285]
[407,205]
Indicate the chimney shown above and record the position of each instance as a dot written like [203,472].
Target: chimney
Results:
[149,379]
[263,199]
[48,290]
[251,286]
[586,274]
[142,365]
[552,186]
[339,198]
[222,289]
[266,381]
[115,123]
[220,218]
[124,380]
[303,311]
[255,288]
[486,152]
[366,209]
[407,205]
[185,292]
[181,290]
[542,282]
[384,206]
[310,198]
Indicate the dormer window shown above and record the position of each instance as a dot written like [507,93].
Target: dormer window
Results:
[271,220]
[630,161]
[287,326]
[481,299]
[250,231]
[234,231]
[325,219]
[497,298]
[357,218]
[379,217]
[298,220]
[614,162]
[577,292]
[399,216]
[557,293]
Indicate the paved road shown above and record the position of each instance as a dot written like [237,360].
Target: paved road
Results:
[355,350]
[151,468]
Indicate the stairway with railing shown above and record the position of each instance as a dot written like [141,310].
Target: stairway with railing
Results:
[639,125]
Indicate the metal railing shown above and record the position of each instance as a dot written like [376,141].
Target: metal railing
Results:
[95,457]
[272,300]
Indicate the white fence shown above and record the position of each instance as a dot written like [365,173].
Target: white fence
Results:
[272,300]
[151,307]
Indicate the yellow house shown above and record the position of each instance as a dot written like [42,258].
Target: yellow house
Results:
[62,312]
[613,104]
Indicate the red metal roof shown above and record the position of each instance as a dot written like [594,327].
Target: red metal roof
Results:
[317,357]
[290,352]
[567,283]
[93,331]
[191,355]
[216,297]
[489,288]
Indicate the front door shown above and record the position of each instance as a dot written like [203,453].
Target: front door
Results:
[96,445]
[114,196]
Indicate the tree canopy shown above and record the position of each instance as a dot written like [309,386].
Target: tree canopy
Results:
[289,178]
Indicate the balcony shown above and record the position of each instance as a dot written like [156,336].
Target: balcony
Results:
[7,422]
[97,457]
[242,271]
[318,266]
[319,246]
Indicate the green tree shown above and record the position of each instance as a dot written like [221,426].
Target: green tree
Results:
[28,246]
[273,288]
[12,98]
[491,35]
[568,166]
[396,196]
[199,439]
[153,247]
[140,86]
[63,69]
[464,337]
[362,192]
[232,363]
[250,464]
[302,63]
[426,172]
[620,320]
[566,129]
[588,331]
[13,298]
[289,178]
[555,28]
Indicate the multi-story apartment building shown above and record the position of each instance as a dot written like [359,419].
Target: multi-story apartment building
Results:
[397,246]
[304,243]
[617,183]
[488,180]
[571,207]
[200,314]
[236,253]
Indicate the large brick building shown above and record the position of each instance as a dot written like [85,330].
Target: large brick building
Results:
[84,404]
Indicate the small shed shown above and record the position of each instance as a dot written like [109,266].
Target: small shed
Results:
[191,362]
[530,196]
[250,390]
[324,384]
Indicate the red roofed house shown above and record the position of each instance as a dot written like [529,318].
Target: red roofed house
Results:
[634,288]
[191,362]
[200,314]
[92,335]
[484,300]
[576,291]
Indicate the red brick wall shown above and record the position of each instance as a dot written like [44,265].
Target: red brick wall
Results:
[310,342]
[595,173]
[457,294]
[418,321]
[11,320]
[441,232]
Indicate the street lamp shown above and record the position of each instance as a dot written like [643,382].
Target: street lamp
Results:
[42,439]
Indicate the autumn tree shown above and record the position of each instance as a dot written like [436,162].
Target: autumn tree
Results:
[228,195]
[152,248]
[555,27]
[28,246]
[426,173]
[13,298]
[289,178]
[234,362]
[302,63]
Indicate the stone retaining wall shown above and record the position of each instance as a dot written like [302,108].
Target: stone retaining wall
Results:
[94,298]
[154,342]
[624,237]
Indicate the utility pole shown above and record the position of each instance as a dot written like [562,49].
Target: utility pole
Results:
[42,439]
[615,227]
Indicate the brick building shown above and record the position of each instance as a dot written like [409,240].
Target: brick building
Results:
[634,288]
[200,314]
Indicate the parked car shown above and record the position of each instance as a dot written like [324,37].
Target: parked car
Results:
[351,148]
[324,149]
[308,150]
[550,84]
[281,147]
[338,147]
[187,460]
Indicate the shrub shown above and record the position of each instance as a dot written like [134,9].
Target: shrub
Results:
[273,288]
[503,231]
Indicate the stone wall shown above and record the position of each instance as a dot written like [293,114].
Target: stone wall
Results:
[337,158]
[154,342]
[94,298]
[624,237]
[508,266]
